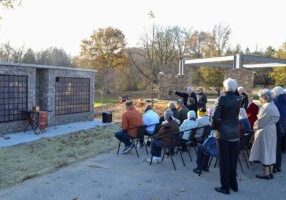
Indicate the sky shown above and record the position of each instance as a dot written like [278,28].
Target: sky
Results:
[39,24]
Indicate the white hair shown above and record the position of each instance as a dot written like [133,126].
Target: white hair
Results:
[230,85]
[277,91]
[266,94]
[240,89]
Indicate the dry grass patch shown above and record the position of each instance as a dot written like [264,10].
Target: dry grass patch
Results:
[25,161]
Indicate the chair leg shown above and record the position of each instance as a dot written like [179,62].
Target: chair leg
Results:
[189,154]
[210,162]
[215,162]
[151,160]
[173,162]
[164,154]
[135,146]
[182,157]
[246,161]
[240,165]
[118,147]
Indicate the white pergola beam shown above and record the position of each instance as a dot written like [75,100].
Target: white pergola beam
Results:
[264,65]
[203,61]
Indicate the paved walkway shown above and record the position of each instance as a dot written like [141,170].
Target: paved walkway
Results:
[23,137]
[125,177]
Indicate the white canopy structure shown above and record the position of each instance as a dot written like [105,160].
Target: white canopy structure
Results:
[236,61]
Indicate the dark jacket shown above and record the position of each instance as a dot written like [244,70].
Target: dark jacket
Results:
[280,102]
[202,100]
[244,102]
[225,116]
[189,98]
[183,114]
[168,132]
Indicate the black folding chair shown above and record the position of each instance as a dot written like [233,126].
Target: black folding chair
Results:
[176,143]
[134,140]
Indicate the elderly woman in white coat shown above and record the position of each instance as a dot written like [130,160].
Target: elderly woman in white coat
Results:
[265,141]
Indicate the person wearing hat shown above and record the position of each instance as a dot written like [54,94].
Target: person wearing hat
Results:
[131,119]
[182,111]
[202,98]
[165,136]
[189,98]
[188,124]
[202,120]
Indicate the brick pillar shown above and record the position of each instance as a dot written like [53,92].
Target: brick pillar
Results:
[244,77]
[169,82]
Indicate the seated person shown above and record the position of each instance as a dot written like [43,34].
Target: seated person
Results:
[244,123]
[207,149]
[203,120]
[131,118]
[150,117]
[187,124]
[182,111]
[173,108]
[165,137]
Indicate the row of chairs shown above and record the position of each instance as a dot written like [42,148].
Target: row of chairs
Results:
[178,146]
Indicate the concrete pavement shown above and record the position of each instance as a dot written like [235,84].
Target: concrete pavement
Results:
[108,176]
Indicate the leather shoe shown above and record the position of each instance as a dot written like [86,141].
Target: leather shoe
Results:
[221,190]
[265,177]
[197,171]
[271,176]
[234,189]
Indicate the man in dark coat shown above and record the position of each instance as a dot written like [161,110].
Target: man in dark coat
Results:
[189,98]
[226,125]
[244,102]
[280,102]
[202,98]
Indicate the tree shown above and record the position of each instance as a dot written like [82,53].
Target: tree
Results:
[104,51]
[159,51]
[212,77]
[9,3]
[279,74]
[11,54]
[53,56]
[29,57]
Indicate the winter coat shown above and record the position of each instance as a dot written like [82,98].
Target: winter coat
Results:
[150,117]
[168,133]
[187,99]
[225,116]
[252,112]
[202,100]
[244,102]
[280,102]
[265,138]
[186,125]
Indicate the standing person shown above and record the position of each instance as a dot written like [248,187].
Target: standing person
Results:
[280,102]
[182,111]
[252,112]
[202,98]
[131,119]
[226,125]
[189,98]
[244,103]
[265,139]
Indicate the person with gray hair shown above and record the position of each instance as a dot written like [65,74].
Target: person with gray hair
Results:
[226,125]
[244,102]
[165,136]
[280,102]
[265,139]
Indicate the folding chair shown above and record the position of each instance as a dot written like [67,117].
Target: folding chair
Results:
[134,140]
[176,142]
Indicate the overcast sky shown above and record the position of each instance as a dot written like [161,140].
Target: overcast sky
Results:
[64,23]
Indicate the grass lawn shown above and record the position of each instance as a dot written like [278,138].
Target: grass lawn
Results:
[25,161]
[99,102]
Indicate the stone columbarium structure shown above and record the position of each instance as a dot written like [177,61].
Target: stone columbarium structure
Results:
[67,94]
